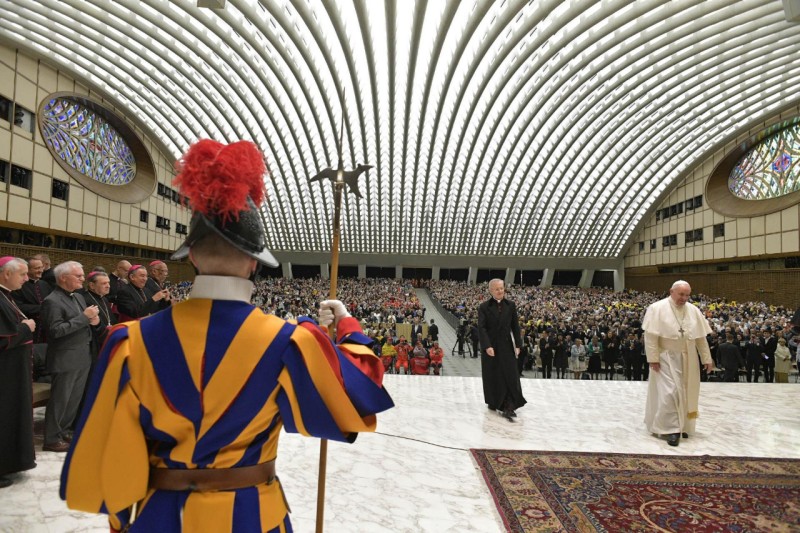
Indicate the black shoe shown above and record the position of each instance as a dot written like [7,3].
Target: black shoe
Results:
[513,413]
[5,482]
[684,435]
[58,446]
[673,439]
[492,408]
[509,415]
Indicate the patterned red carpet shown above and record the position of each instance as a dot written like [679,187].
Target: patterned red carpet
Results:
[569,491]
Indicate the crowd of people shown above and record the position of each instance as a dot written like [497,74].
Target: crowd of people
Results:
[592,332]
[564,331]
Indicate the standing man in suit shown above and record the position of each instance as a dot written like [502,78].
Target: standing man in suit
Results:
[768,360]
[546,347]
[754,353]
[416,331]
[118,279]
[498,328]
[433,331]
[69,325]
[730,358]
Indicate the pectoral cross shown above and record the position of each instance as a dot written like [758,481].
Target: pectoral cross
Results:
[681,331]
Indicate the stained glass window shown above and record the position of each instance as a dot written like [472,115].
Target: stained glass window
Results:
[87,142]
[770,169]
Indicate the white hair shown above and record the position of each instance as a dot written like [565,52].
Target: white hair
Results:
[65,268]
[679,283]
[495,281]
[13,265]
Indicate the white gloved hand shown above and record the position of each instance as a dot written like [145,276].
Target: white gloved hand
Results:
[331,311]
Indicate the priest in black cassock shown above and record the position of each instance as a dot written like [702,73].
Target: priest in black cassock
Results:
[118,279]
[30,296]
[16,394]
[498,327]
[96,293]
[134,301]
[156,282]
[29,299]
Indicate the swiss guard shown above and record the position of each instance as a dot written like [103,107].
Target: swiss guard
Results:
[181,425]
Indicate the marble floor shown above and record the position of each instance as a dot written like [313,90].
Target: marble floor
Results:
[416,473]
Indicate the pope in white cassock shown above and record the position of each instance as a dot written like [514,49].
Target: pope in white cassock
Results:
[674,334]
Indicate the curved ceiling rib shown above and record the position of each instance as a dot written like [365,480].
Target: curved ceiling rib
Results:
[514,128]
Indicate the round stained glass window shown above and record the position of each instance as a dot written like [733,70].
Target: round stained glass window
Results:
[770,169]
[97,147]
[86,142]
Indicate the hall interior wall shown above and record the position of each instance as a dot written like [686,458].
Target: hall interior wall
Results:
[752,262]
[26,81]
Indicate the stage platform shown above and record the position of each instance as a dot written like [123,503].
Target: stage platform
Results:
[416,474]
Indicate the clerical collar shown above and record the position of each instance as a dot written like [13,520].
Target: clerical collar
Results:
[222,288]
[499,302]
[4,288]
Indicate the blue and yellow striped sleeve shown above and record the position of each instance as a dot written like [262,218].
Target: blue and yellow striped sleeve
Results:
[331,391]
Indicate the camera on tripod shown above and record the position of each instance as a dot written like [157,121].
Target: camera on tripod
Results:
[462,336]
[463,328]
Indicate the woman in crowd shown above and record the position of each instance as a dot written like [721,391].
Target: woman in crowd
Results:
[578,362]
[561,357]
[783,362]
[595,351]
[388,354]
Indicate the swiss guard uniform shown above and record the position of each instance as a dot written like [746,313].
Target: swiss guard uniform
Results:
[186,406]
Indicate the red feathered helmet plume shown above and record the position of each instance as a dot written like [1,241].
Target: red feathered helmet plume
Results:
[217,178]
[224,186]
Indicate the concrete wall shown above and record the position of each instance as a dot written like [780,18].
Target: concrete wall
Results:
[27,81]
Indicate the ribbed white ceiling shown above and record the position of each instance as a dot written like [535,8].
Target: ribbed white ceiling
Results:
[508,128]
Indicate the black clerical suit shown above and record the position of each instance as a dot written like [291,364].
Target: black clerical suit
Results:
[29,299]
[115,285]
[754,350]
[632,359]
[152,287]
[729,358]
[768,362]
[134,303]
[546,352]
[16,391]
[498,328]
